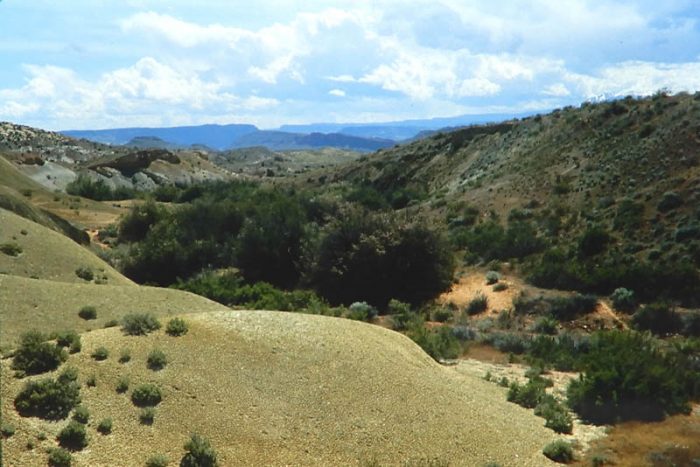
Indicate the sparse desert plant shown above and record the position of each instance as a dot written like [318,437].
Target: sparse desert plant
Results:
[7,430]
[199,453]
[546,325]
[439,344]
[122,384]
[146,395]
[557,417]
[442,314]
[105,426]
[156,360]
[477,304]
[568,308]
[88,312]
[73,436]
[500,287]
[623,299]
[111,323]
[526,395]
[10,249]
[85,273]
[91,381]
[559,451]
[157,460]
[49,399]
[147,415]
[101,353]
[139,324]
[492,277]
[125,356]
[70,339]
[176,327]
[81,414]
[35,355]
[59,457]
[361,311]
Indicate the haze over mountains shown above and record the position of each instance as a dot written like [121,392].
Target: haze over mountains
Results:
[363,137]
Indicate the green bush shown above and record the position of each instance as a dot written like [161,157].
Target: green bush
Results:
[176,327]
[492,277]
[105,426]
[97,189]
[156,360]
[100,353]
[59,457]
[546,325]
[157,460]
[527,395]
[594,241]
[35,355]
[626,376]
[70,339]
[146,395]
[135,225]
[691,323]
[88,312]
[125,356]
[623,299]
[147,415]
[73,436]
[10,249]
[199,453]
[91,381]
[557,417]
[669,201]
[439,344]
[659,318]
[362,311]
[500,287]
[559,451]
[569,308]
[7,430]
[139,324]
[49,399]
[85,273]
[81,414]
[122,384]
[477,304]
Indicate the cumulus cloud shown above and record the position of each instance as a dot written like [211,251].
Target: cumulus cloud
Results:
[337,92]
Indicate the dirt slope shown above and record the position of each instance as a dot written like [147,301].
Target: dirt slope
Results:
[49,255]
[272,388]
[53,306]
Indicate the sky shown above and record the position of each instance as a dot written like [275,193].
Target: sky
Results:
[89,64]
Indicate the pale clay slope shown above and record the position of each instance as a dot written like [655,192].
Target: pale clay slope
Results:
[53,306]
[49,255]
[272,388]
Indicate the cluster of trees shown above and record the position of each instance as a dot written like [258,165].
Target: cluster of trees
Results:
[289,239]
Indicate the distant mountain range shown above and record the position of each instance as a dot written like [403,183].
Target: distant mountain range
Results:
[353,136]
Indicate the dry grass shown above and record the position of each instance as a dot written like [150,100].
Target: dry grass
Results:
[53,306]
[49,255]
[270,388]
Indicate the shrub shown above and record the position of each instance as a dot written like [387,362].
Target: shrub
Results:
[81,414]
[69,339]
[623,299]
[176,327]
[157,460]
[135,225]
[508,342]
[35,355]
[477,304]
[199,453]
[594,241]
[111,323]
[492,277]
[73,436]
[100,353]
[11,249]
[91,381]
[49,399]
[105,426]
[557,418]
[626,376]
[147,415]
[546,325]
[88,312]
[124,356]
[156,360]
[85,273]
[122,384]
[559,451]
[439,344]
[669,201]
[442,314]
[691,324]
[659,318]
[568,308]
[146,395]
[526,395]
[7,430]
[59,457]
[500,287]
[139,324]
[362,311]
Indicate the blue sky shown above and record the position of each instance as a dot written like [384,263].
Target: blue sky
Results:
[83,64]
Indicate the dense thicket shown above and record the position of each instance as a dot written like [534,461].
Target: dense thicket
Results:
[287,239]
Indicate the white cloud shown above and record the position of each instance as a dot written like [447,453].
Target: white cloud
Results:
[337,92]
[557,90]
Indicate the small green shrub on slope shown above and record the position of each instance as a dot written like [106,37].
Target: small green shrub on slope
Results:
[35,355]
